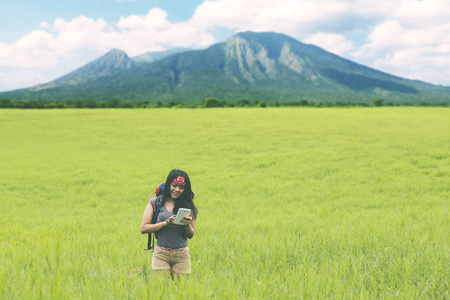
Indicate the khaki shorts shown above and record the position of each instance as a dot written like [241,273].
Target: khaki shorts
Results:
[176,260]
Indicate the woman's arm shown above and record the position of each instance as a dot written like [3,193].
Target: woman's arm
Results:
[190,226]
[147,227]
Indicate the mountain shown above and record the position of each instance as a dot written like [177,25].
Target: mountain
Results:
[266,66]
[111,63]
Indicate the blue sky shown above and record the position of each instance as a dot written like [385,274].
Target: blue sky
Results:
[19,17]
[43,40]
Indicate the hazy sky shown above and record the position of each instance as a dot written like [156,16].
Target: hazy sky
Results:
[41,40]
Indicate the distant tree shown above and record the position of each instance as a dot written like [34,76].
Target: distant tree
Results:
[169,104]
[243,102]
[304,102]
[125,105]
[115,103]
[89,104]
[213,102]
[78,104]
[261,104]
[378,102]
[339,103]
[5,103]
[59,105]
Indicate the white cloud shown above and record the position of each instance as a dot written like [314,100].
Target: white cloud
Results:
[153,32]
[291,17]
[37,39]
[394,35]
[80,33]
[333,42]
[19,77]
[425,12]
[50,52]
[155,19]
[422,64]
[419,51]
[47,49]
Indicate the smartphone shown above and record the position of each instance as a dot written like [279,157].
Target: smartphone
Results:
[182,212]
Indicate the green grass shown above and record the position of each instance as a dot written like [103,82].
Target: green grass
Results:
[346,203]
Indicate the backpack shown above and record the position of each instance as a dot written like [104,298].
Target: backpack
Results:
[156,203]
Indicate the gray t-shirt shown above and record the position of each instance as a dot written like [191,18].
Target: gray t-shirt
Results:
[170,236]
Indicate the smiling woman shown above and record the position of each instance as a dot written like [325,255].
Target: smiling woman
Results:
[171,254]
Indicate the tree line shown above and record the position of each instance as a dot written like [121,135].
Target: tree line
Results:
[207,103]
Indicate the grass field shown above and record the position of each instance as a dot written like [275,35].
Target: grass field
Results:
[345,203]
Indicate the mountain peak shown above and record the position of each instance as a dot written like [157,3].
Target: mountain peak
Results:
[115,51]
[113,62]
[268,55]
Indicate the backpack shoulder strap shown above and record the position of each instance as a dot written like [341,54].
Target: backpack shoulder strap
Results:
[156,204]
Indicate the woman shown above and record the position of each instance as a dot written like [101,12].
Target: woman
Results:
[171,254]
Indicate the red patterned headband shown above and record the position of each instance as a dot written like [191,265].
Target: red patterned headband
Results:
[179,180]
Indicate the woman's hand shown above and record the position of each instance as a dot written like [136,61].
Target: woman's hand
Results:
[170,220]
[187,220]
[190,226]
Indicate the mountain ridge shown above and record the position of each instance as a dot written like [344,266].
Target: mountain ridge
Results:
[268,66]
